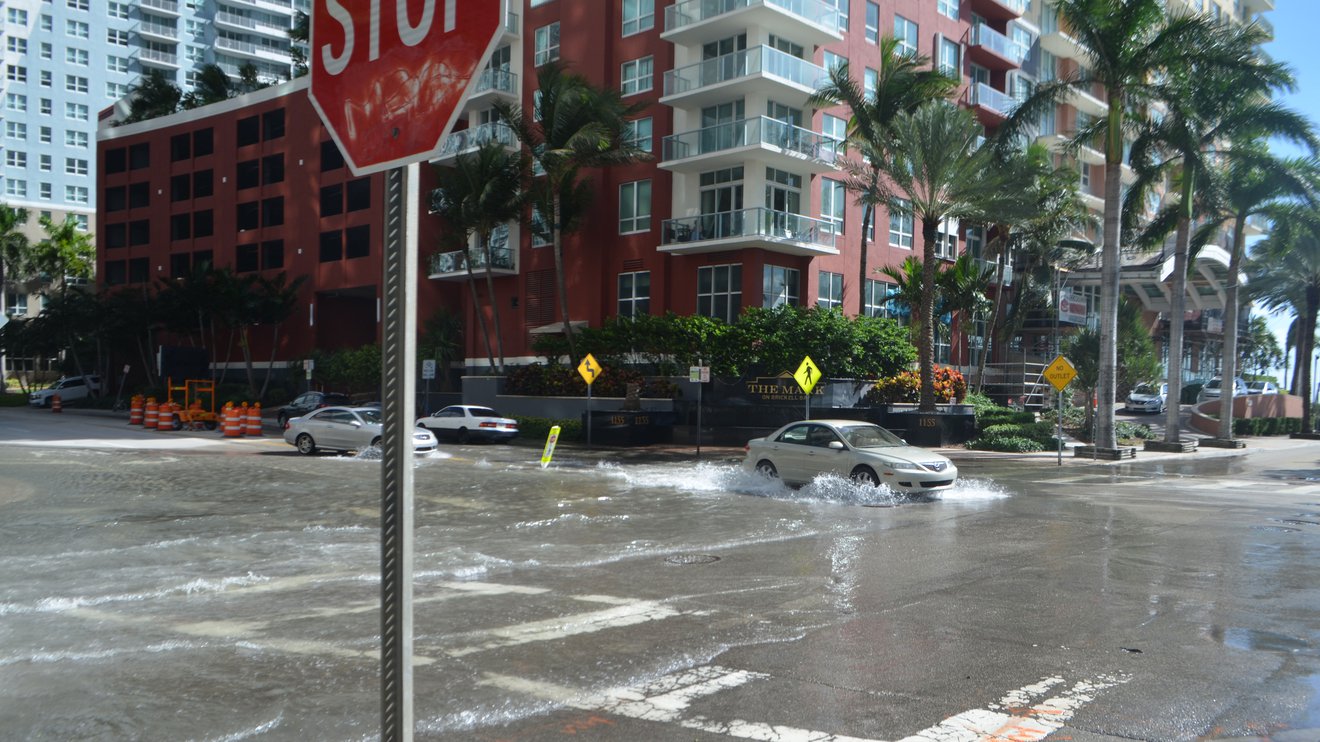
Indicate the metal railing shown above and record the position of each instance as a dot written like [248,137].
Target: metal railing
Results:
[457,261]
[151,55]
[687,13]
[167,6]
[754,61]
[985,96]
[752,222]
[499,80]
[758,131]
[252,24]
[158,29]
[470,139]
[984,35]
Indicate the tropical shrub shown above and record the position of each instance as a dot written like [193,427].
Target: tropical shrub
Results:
[1009,443]
[1266,425]
[950,386]
[537,429]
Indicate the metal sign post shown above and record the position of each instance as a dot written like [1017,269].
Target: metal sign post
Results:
[699,375]
[589,370]
[1060,373]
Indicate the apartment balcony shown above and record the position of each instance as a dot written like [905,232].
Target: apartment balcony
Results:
[492,85]
[163,7]
[244,24]
[1257,6]
[761,228]
[1093,202]
[266,5]
[1087,103]
[154,58]
[511,24]
[765,140]
[1055,40]
[992,107]
[1266,26]
[453,266]
[158,32]
[999,10]
[760,70]
[470,140]
[249,50]
[809,22]
[994,50]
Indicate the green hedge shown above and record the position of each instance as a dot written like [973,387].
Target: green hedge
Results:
[13,400]
[1124,430]
[537,429]
[1266,425]
[1009,443]
[989,417]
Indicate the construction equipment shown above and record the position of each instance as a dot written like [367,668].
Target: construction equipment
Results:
[196,409]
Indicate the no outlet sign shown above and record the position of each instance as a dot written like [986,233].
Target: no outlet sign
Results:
[390,76]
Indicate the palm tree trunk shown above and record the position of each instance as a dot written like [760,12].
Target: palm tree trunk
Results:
[1304,353]
[927,343]
[867,216]
[562,284]
[1109,274]
[494,305]
[1229,364]
[476,305]
[1177,309]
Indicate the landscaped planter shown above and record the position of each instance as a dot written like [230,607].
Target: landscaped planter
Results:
[630,427]
[948,425]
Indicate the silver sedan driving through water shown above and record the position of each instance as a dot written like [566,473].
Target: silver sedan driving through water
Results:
[800,451]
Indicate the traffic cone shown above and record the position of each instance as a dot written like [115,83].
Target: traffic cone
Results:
[55,405]
[135,410]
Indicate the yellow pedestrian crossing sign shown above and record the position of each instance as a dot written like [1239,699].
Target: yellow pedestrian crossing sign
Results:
[807,375]
[1060,372]
[589,369]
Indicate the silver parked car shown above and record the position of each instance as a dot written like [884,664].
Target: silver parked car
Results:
[345,429]
[1148,398]
[800,451]
[69,388]
[1262,387]
[464,422]
[1213,389]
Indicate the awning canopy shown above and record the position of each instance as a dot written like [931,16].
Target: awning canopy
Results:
[1148,280]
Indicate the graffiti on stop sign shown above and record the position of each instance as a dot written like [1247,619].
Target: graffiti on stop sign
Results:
[388,84]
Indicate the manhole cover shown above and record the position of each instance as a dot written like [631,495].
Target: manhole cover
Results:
[691,559]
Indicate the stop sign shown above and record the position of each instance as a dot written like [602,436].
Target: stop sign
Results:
[390,76]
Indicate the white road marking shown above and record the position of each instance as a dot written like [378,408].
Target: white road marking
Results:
[1017,717]
[171,444]
[626,613]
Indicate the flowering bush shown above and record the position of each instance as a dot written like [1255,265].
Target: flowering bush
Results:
[950,386]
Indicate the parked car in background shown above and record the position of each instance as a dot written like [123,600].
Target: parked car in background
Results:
[305,403]
[1152,397]
[464,422]
[864,452]
[70,388]
[1213,389]
[345,429]
[1262,387]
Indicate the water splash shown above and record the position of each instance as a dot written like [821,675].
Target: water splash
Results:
[972,490]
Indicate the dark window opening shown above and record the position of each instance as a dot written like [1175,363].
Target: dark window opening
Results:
[181,227]
[116,199]
[180,265]
[203,184]
[139,156]
[272,124]
[180,187]
[139,270]
[272,169]
[202,259]
[139,195]
[359,194]
[249,215]
[249,131]
[332,200]
[272,254]
[358,241]
[139,232]
[272,212]
[332,246]
[116,160]
[245,258]
[203,142]
[180,147]
[203,223]
[331,157]
[116,235]
[116,272]
[249,174]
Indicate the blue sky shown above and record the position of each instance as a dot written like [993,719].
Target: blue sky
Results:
[1295,22]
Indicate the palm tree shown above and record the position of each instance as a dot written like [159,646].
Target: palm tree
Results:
[1284,273]
[213,85]
[480,193]
[906,279]
[1130,48]
[66,252]
[1215,107]
[903,83]
[153,96]
[574,125]
[1253,183]
[964,287]
[939,172]
[13,244]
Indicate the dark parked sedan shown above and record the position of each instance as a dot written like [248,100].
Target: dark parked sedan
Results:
[307,402]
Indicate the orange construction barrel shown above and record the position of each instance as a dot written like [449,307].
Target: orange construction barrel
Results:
[55,404]
[252,423]
[135,410]
[165,416]
[149,414]
[230,421]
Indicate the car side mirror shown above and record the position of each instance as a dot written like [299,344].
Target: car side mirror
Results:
[356,424]
[836,445]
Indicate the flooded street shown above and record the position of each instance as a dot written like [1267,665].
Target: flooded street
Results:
[227,592]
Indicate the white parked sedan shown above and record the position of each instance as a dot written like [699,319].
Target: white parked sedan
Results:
[463,422]
[867,453]
[345,429]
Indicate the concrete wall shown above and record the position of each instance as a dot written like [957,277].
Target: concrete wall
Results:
[1252,405]
[487,390]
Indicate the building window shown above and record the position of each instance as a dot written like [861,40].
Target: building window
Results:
[75,84]
[947,8]
[638,16]
[833,197]
[75,166]
[16,102]
[47,50]
[17,188]
[872,23]
[332,199]
[833,126]
[45,162]
[905,31]
[719,291]
[357,242]
[870,81]
[139,195]
[946,241]
[249,131]
[118,10]
[830,292]
[833,61]
[76,111]
[77,56]
[16,73]
[272,212]
[635,76]
[181,227]
[272,169]
[180,188]
[635,207]
[45,135]
[203,223]
[78,139]
[638,134]
[359,194]
[900,228]
[634,293]
[16,17]
[15,130]
[1085,170]
[139,232]
[248,216]
[15,158]
[541,235]
[948,61]
[116,90]
[842,7]
[116,64]
[76,194]
[116,38]
[16,45]
[203,183]
[272,255]
[272,124]
[779,286]
[77,4]
[546,45]
[246,258]
[77,29]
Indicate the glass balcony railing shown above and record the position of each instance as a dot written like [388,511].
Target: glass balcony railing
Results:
[983,35]
[686,13]
[497,80]
[987,97]
[511,23]
[457,261]
[761,60]
[754,222]
[470,139]
[757,131]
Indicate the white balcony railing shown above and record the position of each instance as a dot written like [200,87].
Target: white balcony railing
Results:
[761,60]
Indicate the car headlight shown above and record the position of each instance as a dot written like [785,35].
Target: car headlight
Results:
[906,466]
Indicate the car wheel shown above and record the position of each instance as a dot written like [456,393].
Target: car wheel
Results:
[865,475]
[462,435]
[375,442]
[767,469]
[306,446]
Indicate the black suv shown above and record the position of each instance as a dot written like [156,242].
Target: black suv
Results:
[305,403]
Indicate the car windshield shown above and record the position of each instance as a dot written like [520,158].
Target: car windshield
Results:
[1212,384]
[369,415]
[1146,389]
[870,436]
[1256,384]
